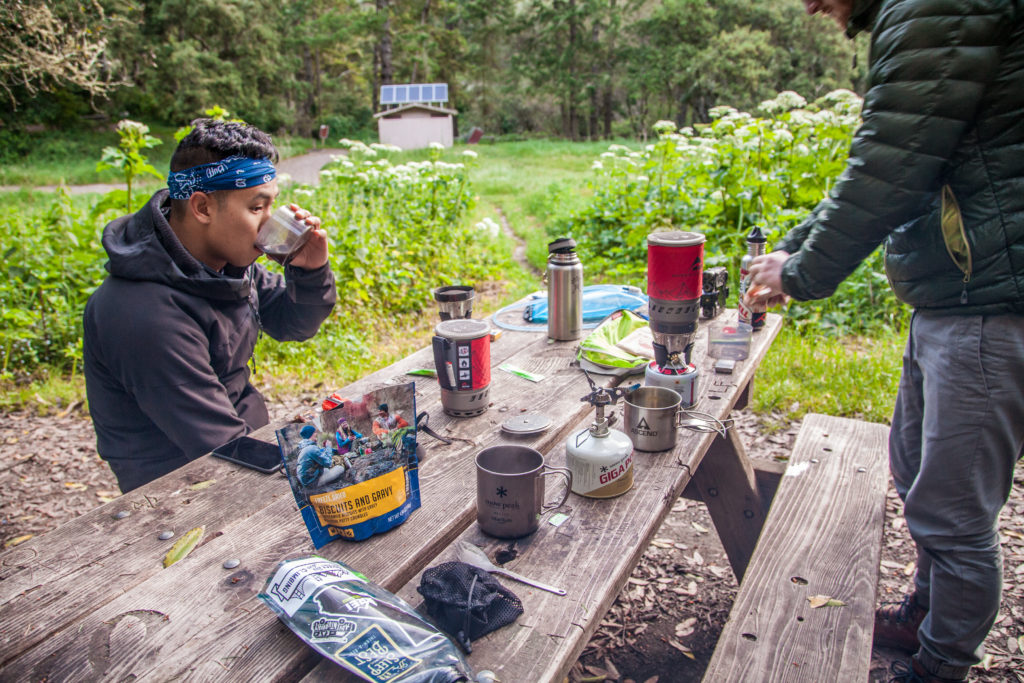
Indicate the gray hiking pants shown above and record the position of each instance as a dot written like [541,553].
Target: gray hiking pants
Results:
[957,432]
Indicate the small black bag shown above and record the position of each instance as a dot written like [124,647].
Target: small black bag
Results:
[466,601]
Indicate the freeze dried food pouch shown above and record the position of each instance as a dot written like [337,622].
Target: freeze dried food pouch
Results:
[357,474]
[367,630]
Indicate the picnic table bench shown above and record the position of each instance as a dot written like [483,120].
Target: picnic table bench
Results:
[92,601]
[805,608]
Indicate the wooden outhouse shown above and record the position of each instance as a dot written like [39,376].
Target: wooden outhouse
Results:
[416,125]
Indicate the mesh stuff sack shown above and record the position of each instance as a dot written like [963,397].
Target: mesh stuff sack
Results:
[466,601]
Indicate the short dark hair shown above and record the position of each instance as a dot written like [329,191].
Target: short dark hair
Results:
[212,140]
[383,406]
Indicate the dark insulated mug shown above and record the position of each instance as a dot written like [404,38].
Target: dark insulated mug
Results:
[454,301]
[462,356]
[510,490]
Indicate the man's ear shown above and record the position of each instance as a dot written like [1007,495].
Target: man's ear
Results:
[202,207]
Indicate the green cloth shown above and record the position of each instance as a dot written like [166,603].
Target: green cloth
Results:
[600,346]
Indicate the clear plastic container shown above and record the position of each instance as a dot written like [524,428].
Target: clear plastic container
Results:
[729,340]
[283,235]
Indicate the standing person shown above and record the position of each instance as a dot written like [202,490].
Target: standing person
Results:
[936,172]
[169,333]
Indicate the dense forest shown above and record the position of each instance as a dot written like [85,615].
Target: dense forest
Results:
[579,69]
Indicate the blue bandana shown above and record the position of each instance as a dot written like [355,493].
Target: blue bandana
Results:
[233,173]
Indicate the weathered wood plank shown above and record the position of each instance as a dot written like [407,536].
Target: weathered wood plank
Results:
[591,555]
[95,557]
[728,487]
[391,559]
[822,537]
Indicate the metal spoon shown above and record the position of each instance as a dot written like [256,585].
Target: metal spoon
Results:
[470,554]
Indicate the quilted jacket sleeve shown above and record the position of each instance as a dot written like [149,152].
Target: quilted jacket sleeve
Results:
[930,63]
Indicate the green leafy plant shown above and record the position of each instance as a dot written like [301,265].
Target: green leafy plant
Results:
[129,159]
[216,112]
[721,179]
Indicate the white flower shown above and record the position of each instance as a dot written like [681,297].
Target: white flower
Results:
[642,179]
[469,153]
[596,166]
[664,127]
[489,226]
[436,145]
[618,148]
[608,155]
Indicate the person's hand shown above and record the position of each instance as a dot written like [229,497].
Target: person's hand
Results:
[765,285]
[313,254]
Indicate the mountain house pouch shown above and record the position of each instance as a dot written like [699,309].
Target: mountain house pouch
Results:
[367,630]
[357,475]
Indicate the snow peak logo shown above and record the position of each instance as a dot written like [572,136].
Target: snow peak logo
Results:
[644,429]
[337,630]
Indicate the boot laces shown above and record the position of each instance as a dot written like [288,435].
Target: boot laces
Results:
[903,673]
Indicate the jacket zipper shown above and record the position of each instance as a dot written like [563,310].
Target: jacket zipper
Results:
[951,218]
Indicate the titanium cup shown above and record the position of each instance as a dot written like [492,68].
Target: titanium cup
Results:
[510,490]
[650,418]
[283,235]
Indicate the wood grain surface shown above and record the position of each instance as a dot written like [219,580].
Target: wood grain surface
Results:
[822,537]
[91,601]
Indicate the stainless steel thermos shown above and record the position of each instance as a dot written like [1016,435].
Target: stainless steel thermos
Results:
[565,290]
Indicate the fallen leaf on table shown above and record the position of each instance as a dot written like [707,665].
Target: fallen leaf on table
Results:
[1014,534]
[75,485]
[184,545]
[200,485]
[699,527]
[16,540]
[1012,645]
[987,661]
[663,543]
[909,569]
[824,601]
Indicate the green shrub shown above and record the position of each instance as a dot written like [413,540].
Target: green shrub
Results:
[722,179]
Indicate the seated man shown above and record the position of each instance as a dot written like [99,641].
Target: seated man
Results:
[169,333]
[318,465]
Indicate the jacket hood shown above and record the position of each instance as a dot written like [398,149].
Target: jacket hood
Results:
[142,246]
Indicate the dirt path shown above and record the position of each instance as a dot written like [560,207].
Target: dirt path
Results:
[304,169]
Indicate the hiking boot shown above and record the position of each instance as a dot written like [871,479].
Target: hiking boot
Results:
[896,624]
[915,673]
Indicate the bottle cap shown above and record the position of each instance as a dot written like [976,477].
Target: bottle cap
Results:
[563,245]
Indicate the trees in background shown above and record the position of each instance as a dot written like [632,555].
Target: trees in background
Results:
[574,68]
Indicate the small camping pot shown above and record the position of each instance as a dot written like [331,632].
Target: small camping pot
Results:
[650,418]
[462,356]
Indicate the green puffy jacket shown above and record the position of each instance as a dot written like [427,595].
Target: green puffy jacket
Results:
[936,170]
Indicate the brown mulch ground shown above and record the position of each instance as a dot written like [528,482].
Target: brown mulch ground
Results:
[666,621]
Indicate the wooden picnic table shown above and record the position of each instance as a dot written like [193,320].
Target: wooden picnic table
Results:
[91,600]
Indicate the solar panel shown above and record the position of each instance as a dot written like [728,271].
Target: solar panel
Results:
[415,92]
